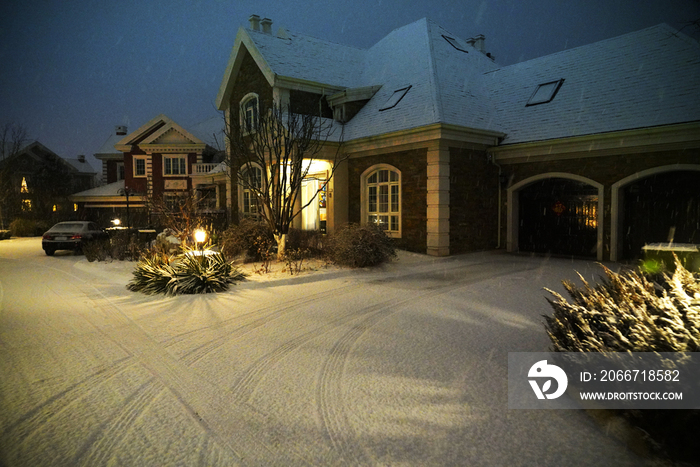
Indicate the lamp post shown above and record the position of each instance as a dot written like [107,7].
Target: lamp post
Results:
[200,237]
[126,191]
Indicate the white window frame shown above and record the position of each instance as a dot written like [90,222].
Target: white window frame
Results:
[242,192]
[180,165]
[145,166]
[365,212]
[243,115]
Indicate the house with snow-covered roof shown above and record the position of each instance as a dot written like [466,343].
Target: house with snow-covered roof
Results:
[161,160]
[590,152]
[36,183]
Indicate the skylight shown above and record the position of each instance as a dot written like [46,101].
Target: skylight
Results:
[453,42]
[395,98]
[545,92]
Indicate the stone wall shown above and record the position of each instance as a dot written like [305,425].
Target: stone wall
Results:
[414,185]
[473,201]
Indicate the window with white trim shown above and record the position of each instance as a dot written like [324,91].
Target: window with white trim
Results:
[139,166]
[250,180]
[383,199]
[249,112]
[175,165]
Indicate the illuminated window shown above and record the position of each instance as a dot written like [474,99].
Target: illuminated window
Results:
[26,205]
[55,208]
[24,188]
[382,203]
[75,207]
[250,180]
[174,165]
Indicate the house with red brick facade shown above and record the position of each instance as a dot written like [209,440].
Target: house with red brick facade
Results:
[159,161]
[590,152]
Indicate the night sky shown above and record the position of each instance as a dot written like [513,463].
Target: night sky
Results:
[73,69]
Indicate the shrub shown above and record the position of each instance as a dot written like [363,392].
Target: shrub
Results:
[359,246]
[5,234]
[23,227]
[125,245]
[98,250]
[183,274]
[250,238]
[310,241]
[629,312]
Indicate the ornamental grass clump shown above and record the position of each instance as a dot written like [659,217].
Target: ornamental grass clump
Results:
[188,273]
[627,312]
[630,312]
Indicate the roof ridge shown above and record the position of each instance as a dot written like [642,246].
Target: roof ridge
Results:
[433,75]
[297,34]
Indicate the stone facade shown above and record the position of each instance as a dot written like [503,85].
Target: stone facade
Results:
[473,201]
[413,167]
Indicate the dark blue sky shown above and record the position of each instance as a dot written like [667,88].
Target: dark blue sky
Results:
[73,69]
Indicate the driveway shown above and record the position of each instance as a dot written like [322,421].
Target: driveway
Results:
[404,365]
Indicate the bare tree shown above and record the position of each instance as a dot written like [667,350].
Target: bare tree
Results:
[282,145]
[13,138]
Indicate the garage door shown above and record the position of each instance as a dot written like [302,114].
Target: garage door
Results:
[558,216]
[658,208]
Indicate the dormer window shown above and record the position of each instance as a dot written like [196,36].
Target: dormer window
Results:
[545,92]
[395,98]
[24,188]
[249,113]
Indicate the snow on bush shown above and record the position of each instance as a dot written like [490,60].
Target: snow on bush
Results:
[627,312]
[190,273]
[359,246]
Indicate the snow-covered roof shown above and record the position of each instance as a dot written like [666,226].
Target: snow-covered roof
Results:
[81,165]
[211,132]
[642,79]
[110,190]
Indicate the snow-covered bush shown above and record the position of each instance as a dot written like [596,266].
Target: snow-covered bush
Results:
[359,246]
[188,273]
[630,312]
[627,312]
[251,238]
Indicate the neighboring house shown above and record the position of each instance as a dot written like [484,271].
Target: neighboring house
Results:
[589,152]
[159,161]
[36,183]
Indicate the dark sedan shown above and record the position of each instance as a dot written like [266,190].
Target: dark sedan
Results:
[71,236]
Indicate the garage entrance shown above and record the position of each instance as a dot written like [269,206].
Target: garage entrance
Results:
[558,216]
[660,208]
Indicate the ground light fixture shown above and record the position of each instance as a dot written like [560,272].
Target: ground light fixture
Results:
[200,237]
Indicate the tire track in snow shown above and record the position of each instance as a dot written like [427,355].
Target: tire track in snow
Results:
[329,392]
[196,354]
[104,441]
[23,429]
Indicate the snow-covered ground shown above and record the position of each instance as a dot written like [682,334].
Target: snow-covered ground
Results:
[402,365]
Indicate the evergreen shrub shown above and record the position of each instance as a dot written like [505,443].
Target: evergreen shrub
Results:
[632,311]
[359,246]
[23,227]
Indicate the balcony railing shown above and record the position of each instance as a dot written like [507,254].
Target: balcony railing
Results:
[201,168]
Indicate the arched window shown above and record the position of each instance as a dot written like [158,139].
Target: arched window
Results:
[249,112]
[382,198]
[249,180]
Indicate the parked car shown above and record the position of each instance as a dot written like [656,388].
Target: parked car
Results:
[71,235]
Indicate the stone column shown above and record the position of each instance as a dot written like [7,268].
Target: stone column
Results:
[438,228]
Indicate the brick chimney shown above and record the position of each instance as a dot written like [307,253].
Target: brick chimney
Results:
[266,25]
[254,22]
